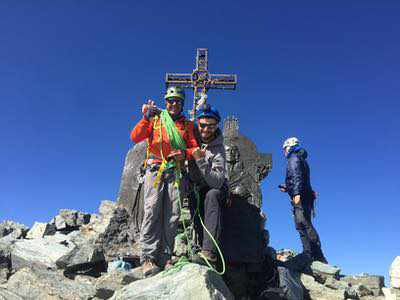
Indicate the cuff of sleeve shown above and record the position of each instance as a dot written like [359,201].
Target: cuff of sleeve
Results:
[189,153]
[201,163]
[145,120]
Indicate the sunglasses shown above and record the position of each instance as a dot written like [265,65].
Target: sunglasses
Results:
[211,126]
[174,100]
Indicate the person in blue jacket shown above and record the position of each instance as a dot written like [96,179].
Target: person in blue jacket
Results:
[298,186]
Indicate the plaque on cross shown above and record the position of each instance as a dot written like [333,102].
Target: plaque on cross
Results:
[200,80]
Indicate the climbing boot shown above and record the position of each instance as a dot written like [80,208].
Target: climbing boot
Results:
[201,257]
[150,268]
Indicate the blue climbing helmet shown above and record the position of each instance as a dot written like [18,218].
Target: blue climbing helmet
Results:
[207,111]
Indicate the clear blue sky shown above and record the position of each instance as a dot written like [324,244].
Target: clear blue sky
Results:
[73,75]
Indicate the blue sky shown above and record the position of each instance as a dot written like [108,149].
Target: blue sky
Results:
[73,75]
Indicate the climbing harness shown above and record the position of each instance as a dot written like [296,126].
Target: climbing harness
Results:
[178,143]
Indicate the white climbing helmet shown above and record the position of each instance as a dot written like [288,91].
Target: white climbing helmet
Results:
[290,142]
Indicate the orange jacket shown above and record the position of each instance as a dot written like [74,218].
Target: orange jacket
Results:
[145,130]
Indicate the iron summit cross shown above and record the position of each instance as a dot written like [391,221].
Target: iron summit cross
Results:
[200,80]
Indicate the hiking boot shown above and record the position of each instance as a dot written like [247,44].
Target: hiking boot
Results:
[201,257]
[150,268]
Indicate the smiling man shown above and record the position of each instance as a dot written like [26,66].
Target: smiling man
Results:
[171,141]
[208,174]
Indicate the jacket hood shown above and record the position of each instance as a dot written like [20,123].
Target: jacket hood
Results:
[301,153]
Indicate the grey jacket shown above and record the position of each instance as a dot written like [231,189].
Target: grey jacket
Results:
[210,169]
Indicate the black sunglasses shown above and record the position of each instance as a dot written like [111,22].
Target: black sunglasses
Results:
[173,100]
[211,126]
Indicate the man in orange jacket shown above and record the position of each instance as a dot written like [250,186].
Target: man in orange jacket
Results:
[161,193]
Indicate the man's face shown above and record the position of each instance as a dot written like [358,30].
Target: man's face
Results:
[286,151]
[174,106]
[207,128]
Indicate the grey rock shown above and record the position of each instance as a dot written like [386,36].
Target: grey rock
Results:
[371,282]
[45,284]
[42,253]
[318,291]
[336,284]
[5,265]
[84,254]
[374,298]
[99,223]
[39,230]
[8,295]
[363,291]
[117,240]
[13,230]
[107,208]
[191,282]
[390,293]
[130,186]
[85,279]
[394,273]
[108,283]
[69,220]
[323,271]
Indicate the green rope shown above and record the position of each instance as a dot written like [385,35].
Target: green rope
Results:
[175,139]
[178,143]
[183,260]
[212,238]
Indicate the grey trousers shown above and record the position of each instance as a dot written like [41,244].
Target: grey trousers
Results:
[161,216]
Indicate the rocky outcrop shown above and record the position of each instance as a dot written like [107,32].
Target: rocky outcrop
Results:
[108,283]
[69,220]
[31,283]
[191,282]
[393,293]
[5,265]
[323,271]
[117,238]
[13,230]
[40,230]
[394,273]
[371,282]
[85,254]
[67,259]
[320,291]
[39,253]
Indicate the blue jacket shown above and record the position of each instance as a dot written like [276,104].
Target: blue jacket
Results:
[298,175]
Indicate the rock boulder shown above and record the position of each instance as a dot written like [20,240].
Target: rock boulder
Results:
[191,282]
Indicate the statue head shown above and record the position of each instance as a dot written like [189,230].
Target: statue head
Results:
[232,153]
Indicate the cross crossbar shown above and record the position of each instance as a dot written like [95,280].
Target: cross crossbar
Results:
[200,80]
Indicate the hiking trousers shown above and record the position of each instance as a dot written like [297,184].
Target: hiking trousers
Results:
[212,202]
[308,234]
[161,216]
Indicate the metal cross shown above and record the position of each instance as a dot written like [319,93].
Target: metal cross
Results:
[200,80]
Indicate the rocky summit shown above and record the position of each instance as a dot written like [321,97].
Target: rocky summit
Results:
[95,256]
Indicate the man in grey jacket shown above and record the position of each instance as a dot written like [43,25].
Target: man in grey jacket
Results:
[207,172]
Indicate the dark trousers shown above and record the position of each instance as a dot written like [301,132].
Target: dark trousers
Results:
[308,235]
[210,207]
